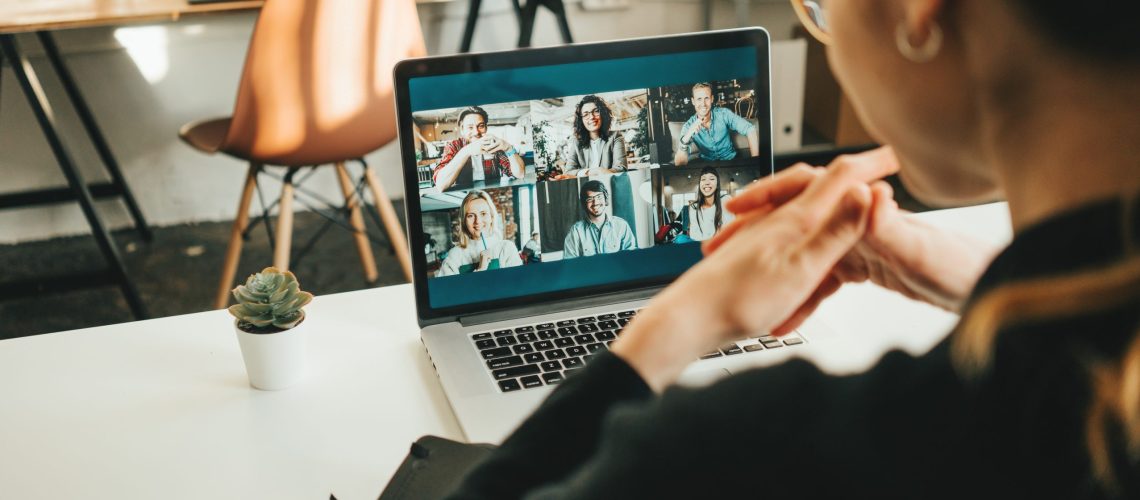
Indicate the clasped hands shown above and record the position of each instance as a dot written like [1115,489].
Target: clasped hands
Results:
[798,237]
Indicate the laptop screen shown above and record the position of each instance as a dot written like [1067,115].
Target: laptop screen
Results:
[577,170]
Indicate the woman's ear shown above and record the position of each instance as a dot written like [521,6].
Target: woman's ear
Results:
[920,16]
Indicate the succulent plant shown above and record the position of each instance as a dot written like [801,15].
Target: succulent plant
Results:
[269,300]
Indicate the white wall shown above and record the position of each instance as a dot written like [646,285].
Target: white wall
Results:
[144,82]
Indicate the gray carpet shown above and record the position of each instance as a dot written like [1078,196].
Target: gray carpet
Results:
[176,273]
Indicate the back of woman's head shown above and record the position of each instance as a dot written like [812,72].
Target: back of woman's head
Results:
[1103,29]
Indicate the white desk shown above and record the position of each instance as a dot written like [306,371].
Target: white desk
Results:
[162,408]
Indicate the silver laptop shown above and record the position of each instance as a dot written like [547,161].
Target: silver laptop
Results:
[550,192]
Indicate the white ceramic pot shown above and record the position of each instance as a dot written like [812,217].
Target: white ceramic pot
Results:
[273,361]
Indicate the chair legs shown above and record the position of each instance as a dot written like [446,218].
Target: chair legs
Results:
[391,222]
[283,240]
[233,249]
[356,219]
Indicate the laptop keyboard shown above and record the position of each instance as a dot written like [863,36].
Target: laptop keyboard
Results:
[544,354]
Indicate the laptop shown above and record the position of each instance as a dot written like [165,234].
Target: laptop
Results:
[586,206]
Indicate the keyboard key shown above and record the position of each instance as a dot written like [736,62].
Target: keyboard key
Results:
[627,314]
[608,325]
[545,326]
[485,343]
[524,329]
[564,342]
[572,362]
[531,381]
[509,385]
[495,353]
[547,334]
[608,342]
[623,321]
[714,354]
[587,319]
[765,338]
[772,344]
[527,337]
[516,371]
[593,347]
[506,362]
[587,358]
[575,351]
[605,335]
[753,347]
[729,350]
[569,372]
[504,341]
[793,341]
[588,328]
[543,345]
[548,366]
[552,377]
[566,322]
[502,333]
[567,331]
[522,349]
[534,357]
[603,317]
[555,354]
[584,339]
[481,336]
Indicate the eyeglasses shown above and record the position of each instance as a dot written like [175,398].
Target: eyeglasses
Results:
[595,112]
[813,15]
[596,199]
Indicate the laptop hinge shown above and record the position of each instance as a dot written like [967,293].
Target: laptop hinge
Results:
[559,306]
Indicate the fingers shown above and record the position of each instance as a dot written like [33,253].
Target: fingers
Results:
[842,229]
[774,190]
[710,245]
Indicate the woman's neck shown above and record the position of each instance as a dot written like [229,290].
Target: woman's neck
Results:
[1068,139]
[708,201]
[595,134]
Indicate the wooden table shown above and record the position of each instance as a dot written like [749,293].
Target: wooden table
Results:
[40,18]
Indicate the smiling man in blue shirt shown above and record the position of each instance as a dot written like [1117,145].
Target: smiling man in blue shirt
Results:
[711,129]
[600,232]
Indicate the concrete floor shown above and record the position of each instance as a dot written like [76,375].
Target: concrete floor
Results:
[176,273]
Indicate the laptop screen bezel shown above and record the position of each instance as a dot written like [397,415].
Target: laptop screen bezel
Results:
[574,53]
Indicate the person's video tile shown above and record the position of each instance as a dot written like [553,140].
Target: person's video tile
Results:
[473,147]
[692,200]
[592,216]
[591,135]
[707,122]
[480,230]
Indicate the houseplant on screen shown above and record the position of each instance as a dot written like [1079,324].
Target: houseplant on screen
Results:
[269,316]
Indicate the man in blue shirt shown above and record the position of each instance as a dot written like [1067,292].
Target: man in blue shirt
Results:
[711,129]
[600,233]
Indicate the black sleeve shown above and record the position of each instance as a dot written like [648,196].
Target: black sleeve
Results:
[560,435]
[787,431]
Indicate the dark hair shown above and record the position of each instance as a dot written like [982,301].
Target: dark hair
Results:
[473,110]
[718,217]
[594,186]
[580,131]
[1104,29]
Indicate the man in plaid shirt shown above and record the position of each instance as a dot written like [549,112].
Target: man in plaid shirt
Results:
[475,146]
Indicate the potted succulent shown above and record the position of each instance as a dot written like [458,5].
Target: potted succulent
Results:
[269,312]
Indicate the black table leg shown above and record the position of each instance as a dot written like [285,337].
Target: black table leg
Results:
[94,133]
[469,29]
[29,82]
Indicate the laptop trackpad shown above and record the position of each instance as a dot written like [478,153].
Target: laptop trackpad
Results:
[702,376]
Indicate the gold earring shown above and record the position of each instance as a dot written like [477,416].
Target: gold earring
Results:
[921,54]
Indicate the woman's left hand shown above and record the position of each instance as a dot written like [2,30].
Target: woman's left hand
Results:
[755,281]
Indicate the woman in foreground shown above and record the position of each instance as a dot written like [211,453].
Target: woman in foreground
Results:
[1035,394]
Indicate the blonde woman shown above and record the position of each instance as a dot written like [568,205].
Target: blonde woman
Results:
[1036,393]
[479,247]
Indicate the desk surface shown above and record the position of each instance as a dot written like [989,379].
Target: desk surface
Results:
[35,15]
[162,408]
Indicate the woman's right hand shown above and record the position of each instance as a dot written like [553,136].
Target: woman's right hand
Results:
[898,251]
[484,260]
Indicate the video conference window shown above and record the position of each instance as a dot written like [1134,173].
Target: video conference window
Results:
[505,185]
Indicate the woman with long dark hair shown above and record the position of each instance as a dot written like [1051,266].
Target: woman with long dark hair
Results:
[1036,391]
[594,149]
[704,217]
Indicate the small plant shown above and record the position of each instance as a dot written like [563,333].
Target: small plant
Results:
[269,301]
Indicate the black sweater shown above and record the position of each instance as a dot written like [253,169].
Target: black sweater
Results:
[910,427]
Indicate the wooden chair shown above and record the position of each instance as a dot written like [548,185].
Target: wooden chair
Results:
[316,89]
